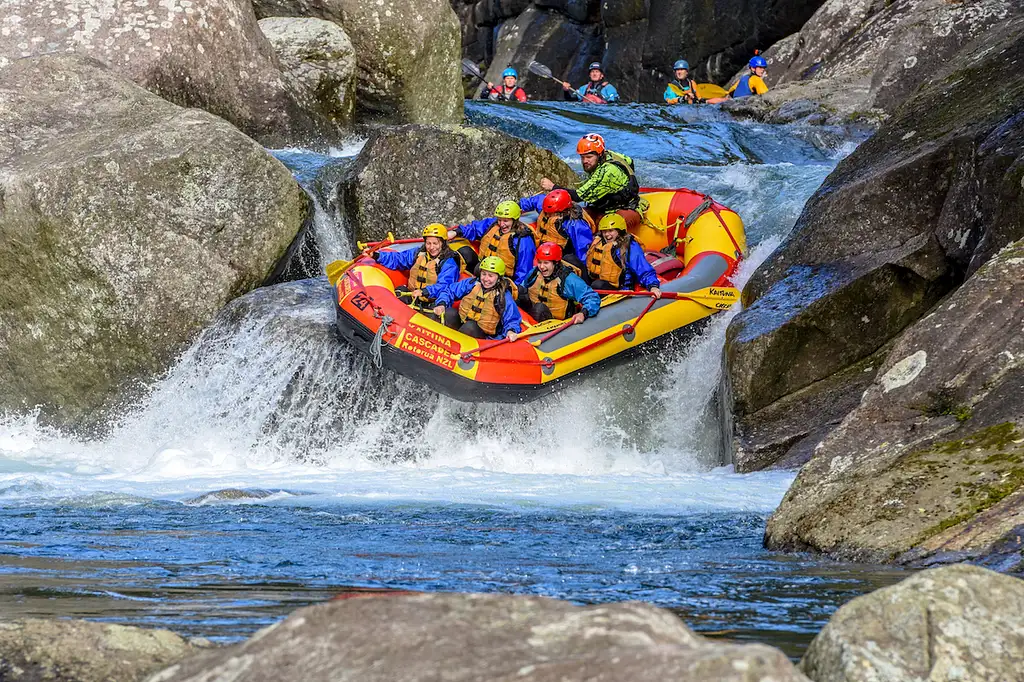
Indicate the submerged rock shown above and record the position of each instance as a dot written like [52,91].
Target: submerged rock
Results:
[407,53]
[319,64]
[409,176]
[127,223]
[954,623]
[463,637]
[898,225]
[210,55]
[81,651]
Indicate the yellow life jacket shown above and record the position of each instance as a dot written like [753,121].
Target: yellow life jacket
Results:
[483,305]
[550,292]
[549,229]
[496,244]
[601,262]
[424,270]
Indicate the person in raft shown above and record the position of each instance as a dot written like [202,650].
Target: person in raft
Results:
[553,290]
[509,91]
[611,185]
[751,83]
[431,268]
[505,237]
[617,261]
[488,309]
[683,90]
[596,91]
[562,222]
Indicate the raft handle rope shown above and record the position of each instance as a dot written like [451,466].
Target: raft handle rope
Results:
[378,338]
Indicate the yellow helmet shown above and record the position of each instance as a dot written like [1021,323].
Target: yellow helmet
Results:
[435,230]
[493,264]
[508,209]
[612,221]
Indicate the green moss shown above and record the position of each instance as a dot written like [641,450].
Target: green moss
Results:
[945,401]
[996,437]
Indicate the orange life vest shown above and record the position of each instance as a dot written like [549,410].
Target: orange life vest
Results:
[602,264]
[483,307]
[425,269]
[496,244]
[549,229]
[549,292]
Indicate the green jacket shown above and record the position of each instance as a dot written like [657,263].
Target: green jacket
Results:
[611,186]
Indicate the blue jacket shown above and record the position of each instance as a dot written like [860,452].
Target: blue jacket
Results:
[607,92]
[525,248]
[574,289]
[403,260]
[511,318]
[637,268]
[579,230]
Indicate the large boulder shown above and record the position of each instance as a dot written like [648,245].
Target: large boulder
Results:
[407,53]
[127,223]
[408,176]
[319,64]
[955,623]
[865,58]
[930,463]
[210,55]
[463,637]
[897,226]
[81,651]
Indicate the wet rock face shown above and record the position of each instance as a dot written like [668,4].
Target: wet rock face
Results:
[637,41]
[126,224]
[409,176]
[953,623]
[898,225]
[407,52]
[81,651]
[463,637]
[319,64]
[210,55]
[864,58]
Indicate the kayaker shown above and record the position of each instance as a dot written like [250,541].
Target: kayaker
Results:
[611,185]
[488,308]
[431,268]
[595,91]
[508,91]
[617,261]
[751,83]
[553,290]
[683,90]
[562,222]
[505,237]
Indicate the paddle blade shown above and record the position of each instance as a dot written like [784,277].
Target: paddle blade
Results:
[709,90]
[720,298]
[469,68]
[540,70]
[336,269]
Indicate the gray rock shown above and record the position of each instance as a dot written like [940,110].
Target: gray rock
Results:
[319,64]
[210,55]
[407,53]
[463,637]
[126,223]
[955,623]
[930,464]
[409,176]
[81,651]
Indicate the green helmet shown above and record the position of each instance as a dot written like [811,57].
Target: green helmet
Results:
[508,209]
[493,264]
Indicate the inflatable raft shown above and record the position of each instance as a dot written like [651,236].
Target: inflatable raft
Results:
[693,243]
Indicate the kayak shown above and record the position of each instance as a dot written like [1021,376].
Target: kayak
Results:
[693,243]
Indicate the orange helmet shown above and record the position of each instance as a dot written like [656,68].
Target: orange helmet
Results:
[590,143]
[549,251]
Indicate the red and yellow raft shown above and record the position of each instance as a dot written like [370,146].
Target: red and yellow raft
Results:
[708,241]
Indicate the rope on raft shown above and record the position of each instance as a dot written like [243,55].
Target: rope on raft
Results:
[378,340]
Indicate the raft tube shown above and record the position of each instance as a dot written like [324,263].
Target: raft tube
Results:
[708,241]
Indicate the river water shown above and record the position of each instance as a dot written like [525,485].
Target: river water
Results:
[222,500]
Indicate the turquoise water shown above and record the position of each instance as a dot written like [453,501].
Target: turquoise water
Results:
[347,478]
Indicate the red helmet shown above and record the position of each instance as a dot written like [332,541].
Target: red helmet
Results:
[556,201]
[591,142]
[549,251]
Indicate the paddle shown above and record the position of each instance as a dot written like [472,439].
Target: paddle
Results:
[469,68]
[539,328]
[336,269]
[544,72]
[719,298]
[709,90]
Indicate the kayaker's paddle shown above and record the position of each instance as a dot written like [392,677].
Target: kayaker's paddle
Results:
[336,269]
[709,90]
[470,68]
[712,297]
[544,72]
